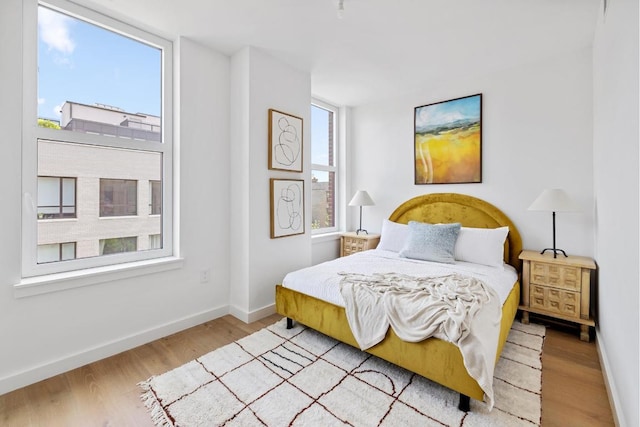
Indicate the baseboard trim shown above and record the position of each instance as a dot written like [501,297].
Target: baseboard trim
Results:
[252,316]
[59,366]
[608,382]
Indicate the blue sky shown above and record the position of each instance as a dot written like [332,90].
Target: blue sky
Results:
[83,63]
[320,140]
[446,112]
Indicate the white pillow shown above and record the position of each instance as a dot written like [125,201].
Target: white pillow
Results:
[393,236]
[481,245]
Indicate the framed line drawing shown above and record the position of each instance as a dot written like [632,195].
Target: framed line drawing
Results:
[287,207]
[285,141]
[448,141]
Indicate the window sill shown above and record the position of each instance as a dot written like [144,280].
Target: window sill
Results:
[31,286]
[326,237]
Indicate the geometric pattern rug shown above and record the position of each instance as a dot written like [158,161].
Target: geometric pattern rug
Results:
[300,377]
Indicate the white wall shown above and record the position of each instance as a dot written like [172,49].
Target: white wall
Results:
[259,82]
[536,134]
[46,334]
[616,191]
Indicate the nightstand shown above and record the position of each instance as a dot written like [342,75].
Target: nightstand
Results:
[557,287]
[351,242]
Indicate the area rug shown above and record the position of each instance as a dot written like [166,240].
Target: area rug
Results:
[299,377]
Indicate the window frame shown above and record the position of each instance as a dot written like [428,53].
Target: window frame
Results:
[32,133]
[335,168]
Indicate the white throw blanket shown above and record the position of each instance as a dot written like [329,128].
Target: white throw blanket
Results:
[455,308]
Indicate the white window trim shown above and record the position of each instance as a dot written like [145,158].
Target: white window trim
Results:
[337,147]
[39,285]
[32,272]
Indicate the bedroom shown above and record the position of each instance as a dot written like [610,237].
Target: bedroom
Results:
[585,98]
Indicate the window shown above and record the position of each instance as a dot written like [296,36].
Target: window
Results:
[97,133]
[56,197]
[55,252]
[324,169]
[155,241]
[155,190]
[118,245]
[118,197]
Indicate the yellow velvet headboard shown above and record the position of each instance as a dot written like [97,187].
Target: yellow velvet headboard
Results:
[467,210]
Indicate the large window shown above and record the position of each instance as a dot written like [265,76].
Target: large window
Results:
[118,245]
[155,190]
[98,108]
[118,197]
[55,252]
[56,197]
[324,168]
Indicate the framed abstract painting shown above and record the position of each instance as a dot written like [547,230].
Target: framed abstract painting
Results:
[285,141]
[287,207]
[448,141]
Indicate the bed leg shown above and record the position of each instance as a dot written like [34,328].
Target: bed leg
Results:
[464,404]
[289,323]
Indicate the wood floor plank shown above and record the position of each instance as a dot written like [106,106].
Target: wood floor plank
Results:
[106,393]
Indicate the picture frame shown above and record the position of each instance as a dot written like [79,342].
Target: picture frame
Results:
[285,141]
[448,141]
[287,207]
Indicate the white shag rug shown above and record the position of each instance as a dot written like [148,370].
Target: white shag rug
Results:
[299,377]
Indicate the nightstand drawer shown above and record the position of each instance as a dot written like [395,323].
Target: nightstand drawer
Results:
[350,243]
[354,245]
[558,276]
[555,300]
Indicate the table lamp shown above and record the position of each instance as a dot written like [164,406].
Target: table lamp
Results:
[361,198]
[554,200]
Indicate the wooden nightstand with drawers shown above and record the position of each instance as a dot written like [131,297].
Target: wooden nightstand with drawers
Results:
[351,242]
[557,287]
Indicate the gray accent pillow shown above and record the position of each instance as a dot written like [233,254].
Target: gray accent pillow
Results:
[431,242]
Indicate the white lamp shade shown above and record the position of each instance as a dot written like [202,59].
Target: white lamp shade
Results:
[361,198]
[554,200]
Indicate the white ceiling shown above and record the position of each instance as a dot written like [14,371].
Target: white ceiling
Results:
[381,48]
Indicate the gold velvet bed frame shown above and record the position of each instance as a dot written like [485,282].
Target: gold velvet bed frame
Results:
[437,360]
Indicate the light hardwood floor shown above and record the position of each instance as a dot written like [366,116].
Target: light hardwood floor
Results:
[105,393]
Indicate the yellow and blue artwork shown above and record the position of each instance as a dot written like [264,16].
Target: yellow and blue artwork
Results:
[448,141]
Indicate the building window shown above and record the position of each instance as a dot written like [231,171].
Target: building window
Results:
[324,168]
[118,245]
[104,119]
[56,197]
[55,252]
[155,241]
[118,197]
[155,191]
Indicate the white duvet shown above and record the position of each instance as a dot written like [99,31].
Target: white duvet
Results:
[322,280]
[460,303]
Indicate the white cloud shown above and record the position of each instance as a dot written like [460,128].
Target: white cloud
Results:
[54,30]
[41,101]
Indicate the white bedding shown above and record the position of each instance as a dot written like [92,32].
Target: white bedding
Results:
[477,344]
[322,280]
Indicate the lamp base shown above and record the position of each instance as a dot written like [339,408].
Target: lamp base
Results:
[361,229]
[555,252]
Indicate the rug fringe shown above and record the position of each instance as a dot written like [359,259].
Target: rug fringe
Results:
[158,415]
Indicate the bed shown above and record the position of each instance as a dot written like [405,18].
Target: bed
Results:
[432,358]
